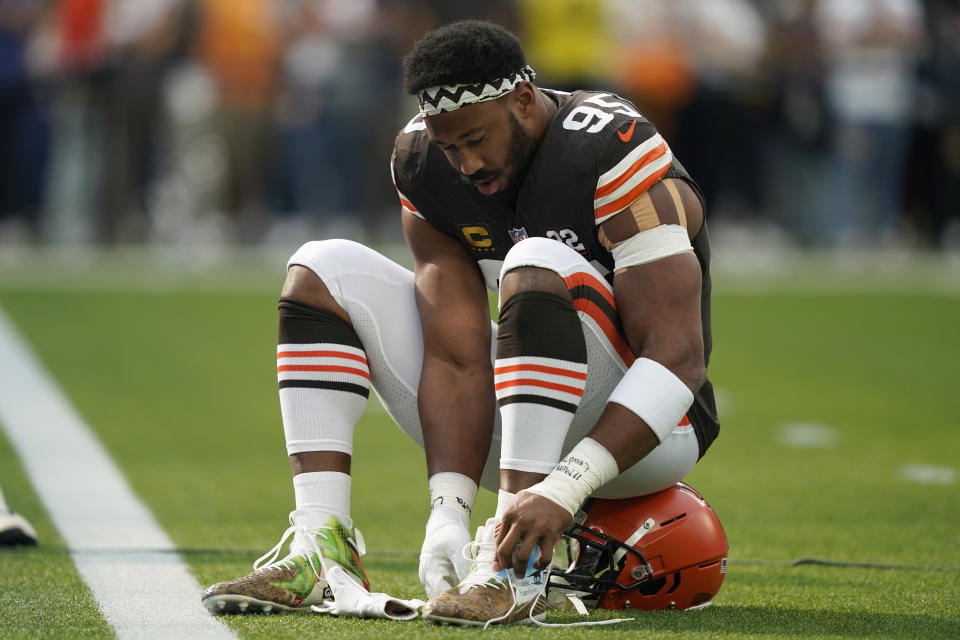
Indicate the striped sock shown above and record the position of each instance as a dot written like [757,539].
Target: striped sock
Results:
[540,375]
[323,377]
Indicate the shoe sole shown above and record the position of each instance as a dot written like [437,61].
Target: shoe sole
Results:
[460,622]
[16,536]
[233,605]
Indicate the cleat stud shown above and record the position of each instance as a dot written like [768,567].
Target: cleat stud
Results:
[268,608]
[221,605]
[243,605]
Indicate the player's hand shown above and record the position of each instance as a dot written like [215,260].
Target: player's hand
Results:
[442,564]
[530,521]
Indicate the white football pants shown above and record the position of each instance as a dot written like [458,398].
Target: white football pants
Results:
[378,296]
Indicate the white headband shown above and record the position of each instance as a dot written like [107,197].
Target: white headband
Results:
[453,96]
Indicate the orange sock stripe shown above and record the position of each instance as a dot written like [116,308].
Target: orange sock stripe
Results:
[321,354]
[540,369]
[532,382]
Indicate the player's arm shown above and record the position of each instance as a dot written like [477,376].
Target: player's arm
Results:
[659,305]
[657,286]
[456,396]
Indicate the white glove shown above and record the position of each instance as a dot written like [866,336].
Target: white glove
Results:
[350,599]
[442,565]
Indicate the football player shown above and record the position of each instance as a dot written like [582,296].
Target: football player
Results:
[572,208]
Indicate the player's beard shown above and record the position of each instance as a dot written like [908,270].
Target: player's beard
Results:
[520,151]
[519,156]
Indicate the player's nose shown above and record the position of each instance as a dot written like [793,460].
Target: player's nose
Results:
[470,163]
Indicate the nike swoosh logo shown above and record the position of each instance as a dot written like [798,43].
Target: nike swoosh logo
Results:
[625,137]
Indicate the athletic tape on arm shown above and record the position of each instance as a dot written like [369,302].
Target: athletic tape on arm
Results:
[652,244]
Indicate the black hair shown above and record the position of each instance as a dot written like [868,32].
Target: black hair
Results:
[464,52]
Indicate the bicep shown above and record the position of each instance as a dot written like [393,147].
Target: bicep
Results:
[659,305]
[657,280]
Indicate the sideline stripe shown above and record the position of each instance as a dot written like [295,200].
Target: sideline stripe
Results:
[130,564]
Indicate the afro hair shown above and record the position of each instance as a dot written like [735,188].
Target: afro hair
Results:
[464,52]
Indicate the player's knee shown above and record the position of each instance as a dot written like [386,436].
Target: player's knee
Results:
[312,272]
[319,254]
[531,279]
[534,265]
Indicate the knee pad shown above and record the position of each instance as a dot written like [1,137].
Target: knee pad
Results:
[545,254]
[330,259]
[325,254]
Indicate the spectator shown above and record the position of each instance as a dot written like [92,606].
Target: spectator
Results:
[872,50]
[23,130]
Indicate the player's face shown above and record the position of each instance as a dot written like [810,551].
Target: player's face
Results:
[486,143]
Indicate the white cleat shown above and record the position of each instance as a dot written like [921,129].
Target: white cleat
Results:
[15,530]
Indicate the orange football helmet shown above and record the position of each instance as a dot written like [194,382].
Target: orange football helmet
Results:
[666,550]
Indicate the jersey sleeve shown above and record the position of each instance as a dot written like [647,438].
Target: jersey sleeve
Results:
[407,164]
[405,202]
[634,158]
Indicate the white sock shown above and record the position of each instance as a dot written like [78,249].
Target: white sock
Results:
[454,491]
[504,498]
[321,494]
[537,397]
[323,392]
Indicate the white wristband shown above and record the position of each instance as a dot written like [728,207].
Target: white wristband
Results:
[655,394]
[585,469]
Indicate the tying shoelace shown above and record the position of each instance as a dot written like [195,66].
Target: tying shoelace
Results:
[533,604]
[304,539]
[481,554]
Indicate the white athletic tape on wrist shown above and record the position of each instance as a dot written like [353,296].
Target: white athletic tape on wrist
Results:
[660,242]
[655,394]
[585,469]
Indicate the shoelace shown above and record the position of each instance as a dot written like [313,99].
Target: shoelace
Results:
[481,570]
[304,538]
[305,542]
[482,554]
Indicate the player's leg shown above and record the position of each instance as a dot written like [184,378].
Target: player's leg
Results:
[560,353]
[324,382]
[541,372]
[347,320]
[378,298]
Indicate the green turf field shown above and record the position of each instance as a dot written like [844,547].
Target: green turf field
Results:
[828,394]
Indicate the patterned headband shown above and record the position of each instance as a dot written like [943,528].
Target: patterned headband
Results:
[453,96]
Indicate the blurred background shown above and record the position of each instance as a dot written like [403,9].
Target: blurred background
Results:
[808,123]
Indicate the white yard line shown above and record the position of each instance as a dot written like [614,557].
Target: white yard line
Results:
[130,564]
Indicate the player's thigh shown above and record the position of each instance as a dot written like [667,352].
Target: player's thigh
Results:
[608,357]
[378,296]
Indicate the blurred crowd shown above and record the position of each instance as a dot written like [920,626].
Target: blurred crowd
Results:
[248,121]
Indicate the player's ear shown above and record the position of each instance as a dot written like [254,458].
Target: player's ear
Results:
[523,99]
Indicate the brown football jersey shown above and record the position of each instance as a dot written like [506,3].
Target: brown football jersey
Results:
[598,157]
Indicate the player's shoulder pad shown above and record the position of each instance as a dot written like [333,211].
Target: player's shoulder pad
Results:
[410,154]
[628,152]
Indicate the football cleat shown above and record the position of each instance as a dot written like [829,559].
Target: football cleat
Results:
[15,530]
[486,597]
[296,581]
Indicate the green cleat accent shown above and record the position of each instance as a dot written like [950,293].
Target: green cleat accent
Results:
[296,581]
